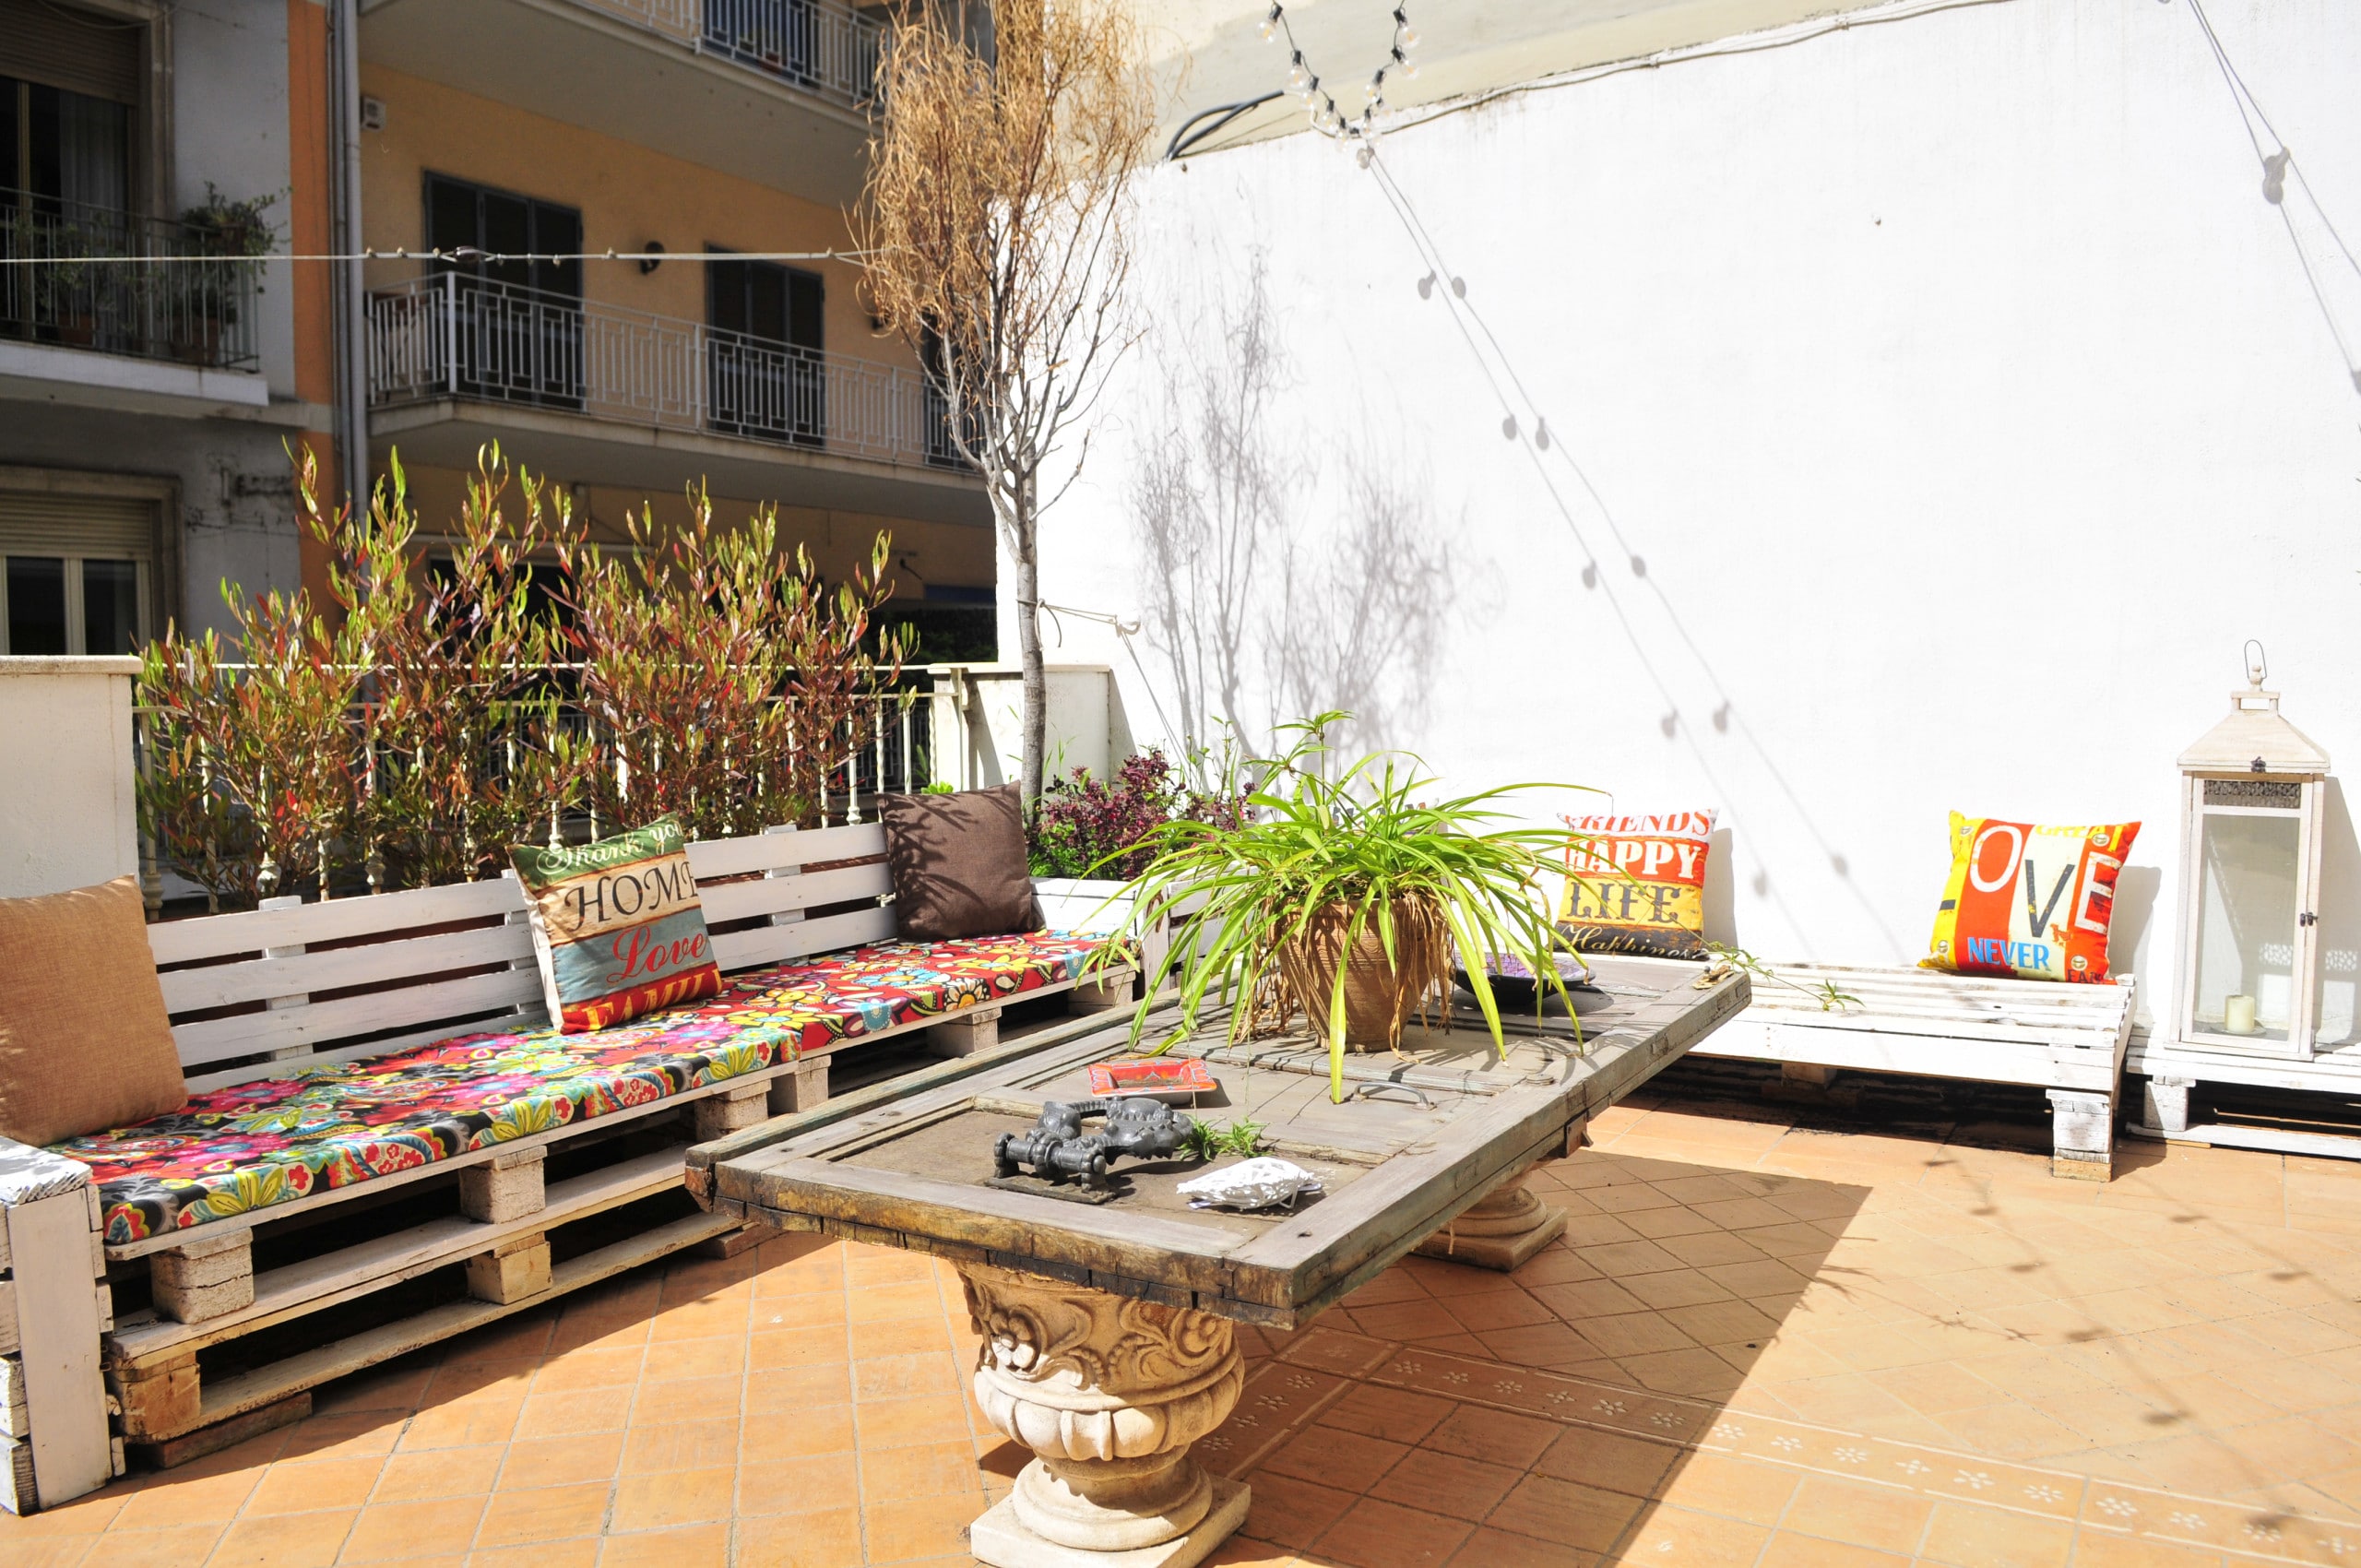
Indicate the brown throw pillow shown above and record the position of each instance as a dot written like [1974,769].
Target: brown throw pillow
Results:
[85,1043]
[958,864]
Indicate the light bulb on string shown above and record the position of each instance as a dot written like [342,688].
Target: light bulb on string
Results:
[1374,88]
[1403,31]
[1271,25]
[1298,75]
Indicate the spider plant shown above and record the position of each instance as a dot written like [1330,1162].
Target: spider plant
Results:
[1268,911]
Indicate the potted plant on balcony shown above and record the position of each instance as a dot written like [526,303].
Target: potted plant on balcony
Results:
[204,295]
[1344,896]
[63,293]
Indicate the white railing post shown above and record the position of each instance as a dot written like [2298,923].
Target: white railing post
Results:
[451,333]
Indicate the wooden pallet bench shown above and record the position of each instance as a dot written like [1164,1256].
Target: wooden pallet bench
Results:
[2066,1039]
[2304,1106]
[227,1325]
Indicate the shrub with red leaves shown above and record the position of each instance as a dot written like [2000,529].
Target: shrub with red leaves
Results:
[1081,821]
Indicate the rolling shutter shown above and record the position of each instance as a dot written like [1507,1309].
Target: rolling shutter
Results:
[76,525]
[83,52]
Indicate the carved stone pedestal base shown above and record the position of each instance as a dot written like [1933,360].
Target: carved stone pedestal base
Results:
[1501,1230]
[1001,1539]
[1109,1393]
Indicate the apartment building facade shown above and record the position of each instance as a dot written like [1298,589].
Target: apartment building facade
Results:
[667,131]
[717,144]
[151,382]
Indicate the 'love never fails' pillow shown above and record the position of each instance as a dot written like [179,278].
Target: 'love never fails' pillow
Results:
[2029,901]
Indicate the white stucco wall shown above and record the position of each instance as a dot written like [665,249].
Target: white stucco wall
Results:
[1954,403]
[68,788]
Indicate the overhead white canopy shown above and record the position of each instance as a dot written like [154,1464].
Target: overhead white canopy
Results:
[1208,52]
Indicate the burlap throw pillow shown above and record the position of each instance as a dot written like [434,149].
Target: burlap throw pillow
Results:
[958,864]
[85,1042]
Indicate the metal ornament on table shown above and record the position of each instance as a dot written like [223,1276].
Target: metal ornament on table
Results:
[1055,1147]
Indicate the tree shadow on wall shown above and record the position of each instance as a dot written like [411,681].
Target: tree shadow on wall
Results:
[1275,590]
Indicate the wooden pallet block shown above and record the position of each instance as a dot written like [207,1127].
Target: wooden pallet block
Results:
[514,1271]
[507,1186]
[964,1034]
[208,1277]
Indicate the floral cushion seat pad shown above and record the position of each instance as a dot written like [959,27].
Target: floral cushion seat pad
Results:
[233,1150]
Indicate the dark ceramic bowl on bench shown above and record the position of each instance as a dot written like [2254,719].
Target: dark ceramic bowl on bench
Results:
[1514,985]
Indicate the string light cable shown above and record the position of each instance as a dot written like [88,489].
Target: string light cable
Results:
[464,255]
[1534,438]
[1390,119]
[2278,163]
[1304,82]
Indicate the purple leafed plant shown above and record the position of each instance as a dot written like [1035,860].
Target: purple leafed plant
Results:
[1086,827]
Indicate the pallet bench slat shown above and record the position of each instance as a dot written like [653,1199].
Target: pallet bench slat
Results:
[2066,1039]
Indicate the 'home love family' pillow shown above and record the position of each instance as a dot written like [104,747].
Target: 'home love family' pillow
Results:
[617,926]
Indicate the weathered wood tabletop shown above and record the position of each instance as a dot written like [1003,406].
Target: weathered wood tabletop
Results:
[1424,1133]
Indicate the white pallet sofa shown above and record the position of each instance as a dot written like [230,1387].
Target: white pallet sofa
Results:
[266,993]
[2066,1039]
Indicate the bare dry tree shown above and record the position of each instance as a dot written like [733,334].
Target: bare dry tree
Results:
[996,241]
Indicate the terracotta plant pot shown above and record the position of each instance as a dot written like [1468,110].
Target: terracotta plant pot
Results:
[1379,996]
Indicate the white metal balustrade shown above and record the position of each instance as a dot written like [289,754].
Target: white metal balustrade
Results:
[824,47]
[461,337]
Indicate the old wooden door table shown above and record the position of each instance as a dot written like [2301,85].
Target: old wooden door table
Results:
[1108,1325]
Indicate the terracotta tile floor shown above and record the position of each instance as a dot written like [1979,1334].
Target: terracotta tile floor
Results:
[1767,1339]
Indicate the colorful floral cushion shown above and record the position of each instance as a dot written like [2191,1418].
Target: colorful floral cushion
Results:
[273,1141]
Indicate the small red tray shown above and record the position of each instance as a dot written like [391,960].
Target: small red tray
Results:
[1181,1077]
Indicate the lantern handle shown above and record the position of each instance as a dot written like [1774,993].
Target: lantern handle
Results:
[2258,666]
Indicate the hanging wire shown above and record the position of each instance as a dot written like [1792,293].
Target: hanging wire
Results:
[465,255]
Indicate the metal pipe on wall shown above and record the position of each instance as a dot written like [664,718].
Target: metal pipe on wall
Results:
[351,285]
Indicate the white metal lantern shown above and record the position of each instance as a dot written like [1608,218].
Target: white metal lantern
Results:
[2249,876]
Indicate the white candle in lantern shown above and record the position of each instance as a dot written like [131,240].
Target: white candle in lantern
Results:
[2238,1015]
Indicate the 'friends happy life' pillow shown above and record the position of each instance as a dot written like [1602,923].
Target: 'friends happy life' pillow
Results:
[2027,901]
[617,926]
[1637,885]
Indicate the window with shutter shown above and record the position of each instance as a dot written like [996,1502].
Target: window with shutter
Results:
[75,573]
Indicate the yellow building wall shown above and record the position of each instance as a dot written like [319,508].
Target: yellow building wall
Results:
[627,195]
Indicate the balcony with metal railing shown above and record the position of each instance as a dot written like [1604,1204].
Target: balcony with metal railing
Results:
[823,47]
[471,340]
[779,93]
[114,283]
